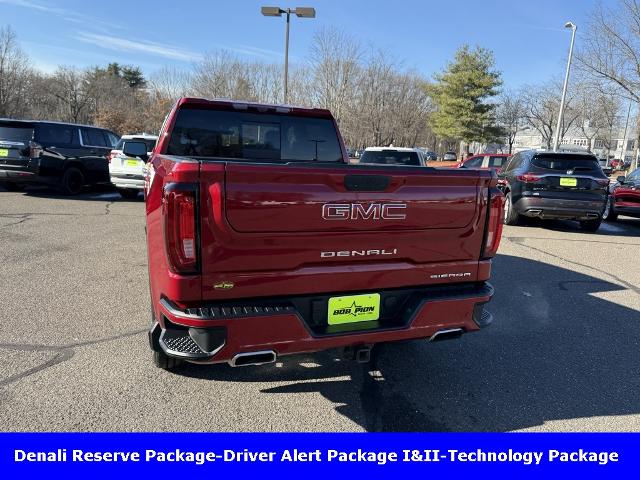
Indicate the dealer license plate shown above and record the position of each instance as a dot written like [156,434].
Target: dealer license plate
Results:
[354,308]
[568,182]
[4,152]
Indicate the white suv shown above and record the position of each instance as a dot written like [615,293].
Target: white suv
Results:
[413,157]
[127,173]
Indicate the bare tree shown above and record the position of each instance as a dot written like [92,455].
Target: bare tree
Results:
[611,49]
[541,110]
[335,65]
[14,75]
[510,114]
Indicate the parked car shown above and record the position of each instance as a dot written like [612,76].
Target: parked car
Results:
[450,156]
[554,185]
[619,164]
[64,155]
[485,161]
[127,173]
[624,198]
[393,156]
[430,156]
[259,248]
[607,169]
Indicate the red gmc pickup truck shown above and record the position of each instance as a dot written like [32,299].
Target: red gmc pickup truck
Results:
[264,241]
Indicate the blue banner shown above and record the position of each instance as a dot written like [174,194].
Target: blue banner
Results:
[523,455]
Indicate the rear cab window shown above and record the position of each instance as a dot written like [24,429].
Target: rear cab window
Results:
[390,157]
[270,137]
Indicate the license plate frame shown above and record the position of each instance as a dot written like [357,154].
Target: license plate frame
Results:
[568,182]
[348,309]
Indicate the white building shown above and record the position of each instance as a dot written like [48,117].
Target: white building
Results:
[528,138]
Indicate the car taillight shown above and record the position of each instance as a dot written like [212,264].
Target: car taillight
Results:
[35,150]
[180,232]
[494,223]
[111,155]
[604,182]
[528,178]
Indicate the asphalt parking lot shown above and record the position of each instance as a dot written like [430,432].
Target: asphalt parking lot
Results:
[562,355]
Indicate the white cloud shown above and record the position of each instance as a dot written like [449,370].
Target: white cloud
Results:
[64,13]
[127,45]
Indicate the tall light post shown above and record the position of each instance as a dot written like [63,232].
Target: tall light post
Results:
[302,12]
[556,137]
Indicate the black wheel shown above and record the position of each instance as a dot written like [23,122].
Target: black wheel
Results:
[591,225]
[609,214]
[12,187]
[511,217]
[72,181]
[161,360]
[128,193]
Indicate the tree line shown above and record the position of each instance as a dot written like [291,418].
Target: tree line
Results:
[373,97]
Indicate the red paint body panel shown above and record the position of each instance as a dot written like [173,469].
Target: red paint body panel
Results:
[261,229]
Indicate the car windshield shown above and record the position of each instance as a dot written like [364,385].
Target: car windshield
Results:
[15,133]
[253,135]
[150,142]
[390,157]
[566,163]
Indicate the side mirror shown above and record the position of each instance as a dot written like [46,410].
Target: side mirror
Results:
[135,149]
[621,179]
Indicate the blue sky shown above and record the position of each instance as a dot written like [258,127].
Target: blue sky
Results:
[527,37]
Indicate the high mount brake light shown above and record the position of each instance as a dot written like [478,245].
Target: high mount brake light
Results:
[180,232]
[494,223]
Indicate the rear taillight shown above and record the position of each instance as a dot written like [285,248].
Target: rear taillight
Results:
[180,232]
[494,223]
[603,182]
[111,155]
[35,150]
[528,178]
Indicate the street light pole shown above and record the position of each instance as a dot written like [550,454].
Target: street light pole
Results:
[556,138]
[286,59]
[301,12]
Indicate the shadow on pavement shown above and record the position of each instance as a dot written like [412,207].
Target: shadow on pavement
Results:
[98,193]
[556,351]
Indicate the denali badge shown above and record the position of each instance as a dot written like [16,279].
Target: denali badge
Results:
[370,211]
[358,253]
[452,275]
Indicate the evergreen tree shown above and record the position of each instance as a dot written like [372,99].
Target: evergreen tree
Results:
[462,95]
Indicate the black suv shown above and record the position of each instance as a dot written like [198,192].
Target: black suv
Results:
[64,155]
[554,185]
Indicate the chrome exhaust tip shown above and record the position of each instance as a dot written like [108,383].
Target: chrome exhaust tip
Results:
[446,334]
[534,211]
[253,358]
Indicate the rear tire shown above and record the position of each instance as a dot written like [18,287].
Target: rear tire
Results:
[609,214]
[511,217]
[72,181]
[128,193]
[165,362]
[591,225]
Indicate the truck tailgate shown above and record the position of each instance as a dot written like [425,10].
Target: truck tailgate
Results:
[269,228]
